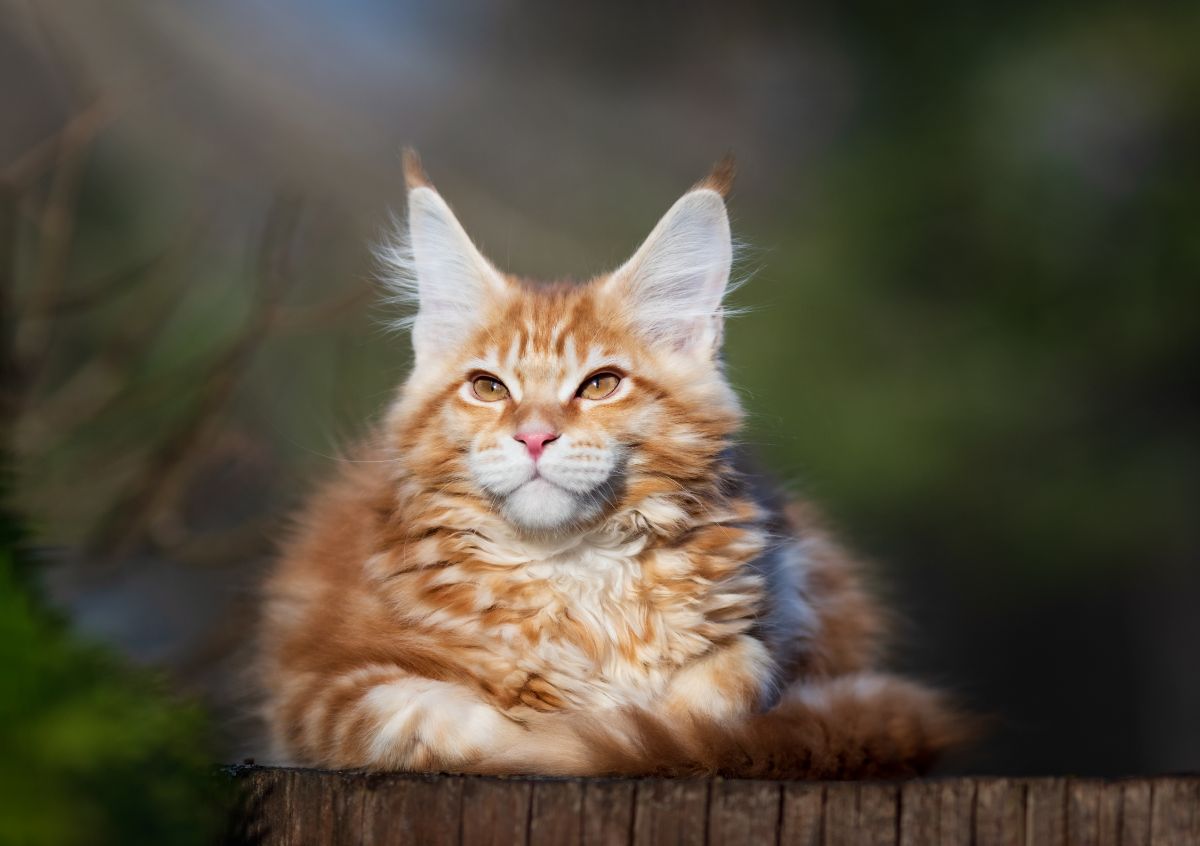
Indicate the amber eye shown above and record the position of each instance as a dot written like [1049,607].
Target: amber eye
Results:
[599,386]
[489,388]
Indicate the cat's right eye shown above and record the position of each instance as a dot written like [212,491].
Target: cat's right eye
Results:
[489,388]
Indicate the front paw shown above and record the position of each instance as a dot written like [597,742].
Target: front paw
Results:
[540,695]
[521,690]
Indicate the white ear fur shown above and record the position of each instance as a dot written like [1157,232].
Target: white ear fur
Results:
[452,279]
[676,280]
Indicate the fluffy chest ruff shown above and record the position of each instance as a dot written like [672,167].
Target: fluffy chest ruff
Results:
[604,619]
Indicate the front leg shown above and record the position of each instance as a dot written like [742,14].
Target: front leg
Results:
[733,680]
[384,718]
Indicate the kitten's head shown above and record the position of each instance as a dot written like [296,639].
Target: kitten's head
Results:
[553,405]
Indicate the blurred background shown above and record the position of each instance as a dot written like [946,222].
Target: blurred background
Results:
[972,326]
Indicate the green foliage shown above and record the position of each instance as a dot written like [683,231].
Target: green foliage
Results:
[93,752]
[983,327]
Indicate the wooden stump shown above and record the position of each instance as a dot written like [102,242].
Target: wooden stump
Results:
[282,806]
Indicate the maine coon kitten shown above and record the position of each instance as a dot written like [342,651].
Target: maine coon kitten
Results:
[548,558]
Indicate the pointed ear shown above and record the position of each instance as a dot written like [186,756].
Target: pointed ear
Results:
[451,279]
[674,284]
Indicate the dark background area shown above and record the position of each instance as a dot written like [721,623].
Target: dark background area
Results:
[971,332]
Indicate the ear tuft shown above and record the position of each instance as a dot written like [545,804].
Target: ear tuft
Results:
[434,262]
[414,173]
[720,178]
[673,286]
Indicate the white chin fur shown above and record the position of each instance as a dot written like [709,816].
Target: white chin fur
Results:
[564,488]
[539,505]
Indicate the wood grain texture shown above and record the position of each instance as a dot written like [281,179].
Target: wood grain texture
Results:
[1083,812]
[1174,811]
[841,814]
[803,815]
[409,809]
[556,815]
[878,814]
[1046,812]
[742,813]
[495,812]
[279,806]
[671,813]
[607,812]
[920,812]
[956,812]
[1000,812]
[1135,813]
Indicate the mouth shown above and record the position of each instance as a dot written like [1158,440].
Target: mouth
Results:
[539,505]
[539,482]
[558,497]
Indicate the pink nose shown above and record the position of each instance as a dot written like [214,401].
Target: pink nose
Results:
[535,442]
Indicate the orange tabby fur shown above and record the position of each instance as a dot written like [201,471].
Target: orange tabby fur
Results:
[670,618]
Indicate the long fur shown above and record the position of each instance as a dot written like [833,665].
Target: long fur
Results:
[628,599]
[849,727]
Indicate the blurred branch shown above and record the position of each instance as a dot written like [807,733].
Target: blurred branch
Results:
[307,318]
[104,379]
[167,471]
[63,57]
[103,290]
[27,167]
[35,335]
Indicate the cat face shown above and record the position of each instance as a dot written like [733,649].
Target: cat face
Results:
[554,405]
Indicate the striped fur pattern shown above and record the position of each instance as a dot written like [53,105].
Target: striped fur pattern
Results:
[628,599]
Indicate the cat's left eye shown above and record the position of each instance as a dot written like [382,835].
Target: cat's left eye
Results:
[599,386]
[489,388]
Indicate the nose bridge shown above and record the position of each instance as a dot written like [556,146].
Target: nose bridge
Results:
[539,416]
[540,409]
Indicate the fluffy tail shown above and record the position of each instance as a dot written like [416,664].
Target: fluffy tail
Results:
[857,726]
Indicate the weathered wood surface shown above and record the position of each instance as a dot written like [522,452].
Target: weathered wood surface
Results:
[280,806]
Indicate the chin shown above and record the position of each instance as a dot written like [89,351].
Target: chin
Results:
[540,506]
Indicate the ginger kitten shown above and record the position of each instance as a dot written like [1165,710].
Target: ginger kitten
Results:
[549,558]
